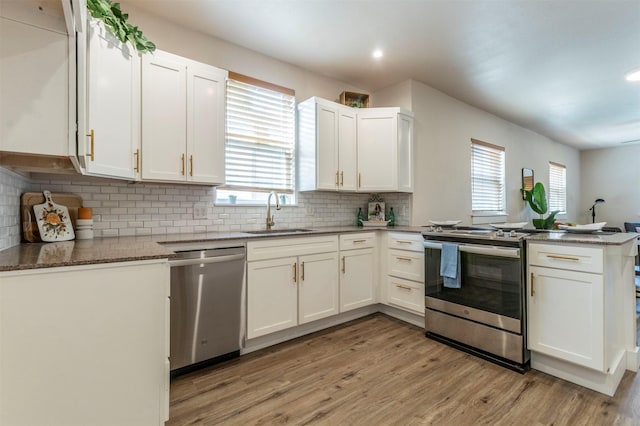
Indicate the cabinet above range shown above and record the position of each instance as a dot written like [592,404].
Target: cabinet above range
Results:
[354,150]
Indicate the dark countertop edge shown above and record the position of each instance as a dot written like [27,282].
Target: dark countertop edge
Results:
[159,251]
[618,238]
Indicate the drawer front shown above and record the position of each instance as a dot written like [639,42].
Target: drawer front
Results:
[406,241]
[406,294]
[357,241]
[406,264]
[572,258]
[285,247]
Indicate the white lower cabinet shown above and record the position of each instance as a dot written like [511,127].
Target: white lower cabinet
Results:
[566,317]
[405,271]
[285,290]
[357,263]
[90,347]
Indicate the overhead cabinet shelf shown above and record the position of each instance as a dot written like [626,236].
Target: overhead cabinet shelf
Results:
[354,150]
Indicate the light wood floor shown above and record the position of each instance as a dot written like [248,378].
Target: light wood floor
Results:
[381,371]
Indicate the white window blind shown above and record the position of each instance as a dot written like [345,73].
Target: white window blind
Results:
[260,138]
[487,178]
[557,187]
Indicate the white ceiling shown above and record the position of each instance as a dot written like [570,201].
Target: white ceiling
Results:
[556,67]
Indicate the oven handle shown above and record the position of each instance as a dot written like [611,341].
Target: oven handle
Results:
[478,249]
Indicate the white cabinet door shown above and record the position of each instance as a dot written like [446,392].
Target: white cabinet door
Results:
[318,291]
[206,87]
[566,315]
[347,149]
[356,279]
[272,296]
[112,129]
[327,147]
[377,151]
[405,153]
[84,345]
[164,117]
[34,90]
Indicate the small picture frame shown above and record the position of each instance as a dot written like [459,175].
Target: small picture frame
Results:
[376,211]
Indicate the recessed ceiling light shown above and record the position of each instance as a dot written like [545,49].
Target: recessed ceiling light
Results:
[633,76]
[377,53]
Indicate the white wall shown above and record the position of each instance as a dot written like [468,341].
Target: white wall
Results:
[444,127]
[614,175]
[204,48]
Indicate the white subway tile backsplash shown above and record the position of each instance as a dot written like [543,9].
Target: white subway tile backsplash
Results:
[122,209]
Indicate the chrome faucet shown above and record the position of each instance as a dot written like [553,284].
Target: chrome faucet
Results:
[270,218]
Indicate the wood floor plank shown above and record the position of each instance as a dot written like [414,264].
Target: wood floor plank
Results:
[382,371]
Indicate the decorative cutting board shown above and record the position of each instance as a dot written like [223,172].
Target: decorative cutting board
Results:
[28,200]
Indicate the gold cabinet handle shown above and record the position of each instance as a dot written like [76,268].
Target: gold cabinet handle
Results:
[137,156]
[91,135]
[342,178]
[403,287]
[405,259]
[359,180]
[302,271]
[533,290]
[295,272]
[344,265]
[557,256]
[337,175]
[191,165]
[182,163]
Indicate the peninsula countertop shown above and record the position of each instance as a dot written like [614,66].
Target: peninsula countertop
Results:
[597,238]
[125,249]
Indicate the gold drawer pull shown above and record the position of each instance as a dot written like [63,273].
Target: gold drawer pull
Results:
[359,241]
[406,259]
[557,256]
[403,242]
[403,287]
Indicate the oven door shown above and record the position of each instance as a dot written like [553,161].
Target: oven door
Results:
[491,285]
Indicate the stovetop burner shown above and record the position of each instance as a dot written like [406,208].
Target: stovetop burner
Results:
[475,235]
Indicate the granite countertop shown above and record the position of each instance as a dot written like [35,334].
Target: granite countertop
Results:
[124,249]
[598,238]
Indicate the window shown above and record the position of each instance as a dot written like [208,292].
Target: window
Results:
[487,179]
[557,187]
[260,142]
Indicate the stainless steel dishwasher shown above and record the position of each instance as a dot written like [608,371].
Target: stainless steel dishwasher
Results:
[206,305]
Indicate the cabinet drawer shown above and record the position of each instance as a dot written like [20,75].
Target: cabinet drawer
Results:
[357,241]
[406,241]
[572,258]
[406,294]
[285,247]
[406,264]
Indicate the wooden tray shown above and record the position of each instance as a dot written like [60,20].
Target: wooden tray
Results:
[30,231]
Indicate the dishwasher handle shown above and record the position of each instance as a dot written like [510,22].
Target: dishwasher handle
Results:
[198,261]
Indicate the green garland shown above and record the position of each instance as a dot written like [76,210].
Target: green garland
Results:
[116,22]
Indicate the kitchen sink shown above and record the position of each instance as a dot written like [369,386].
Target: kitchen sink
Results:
[279,231]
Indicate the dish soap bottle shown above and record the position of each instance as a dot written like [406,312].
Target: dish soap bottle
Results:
[359,217]
[392,217]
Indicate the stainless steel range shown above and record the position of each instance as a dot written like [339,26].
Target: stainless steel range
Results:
[486,314]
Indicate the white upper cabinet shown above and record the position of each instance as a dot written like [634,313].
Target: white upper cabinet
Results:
[349,149]
[327,133]
[183,114]
[34,88]
[109,105]
[385,150]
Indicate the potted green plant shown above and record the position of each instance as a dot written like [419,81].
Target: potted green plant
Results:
[537,199]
